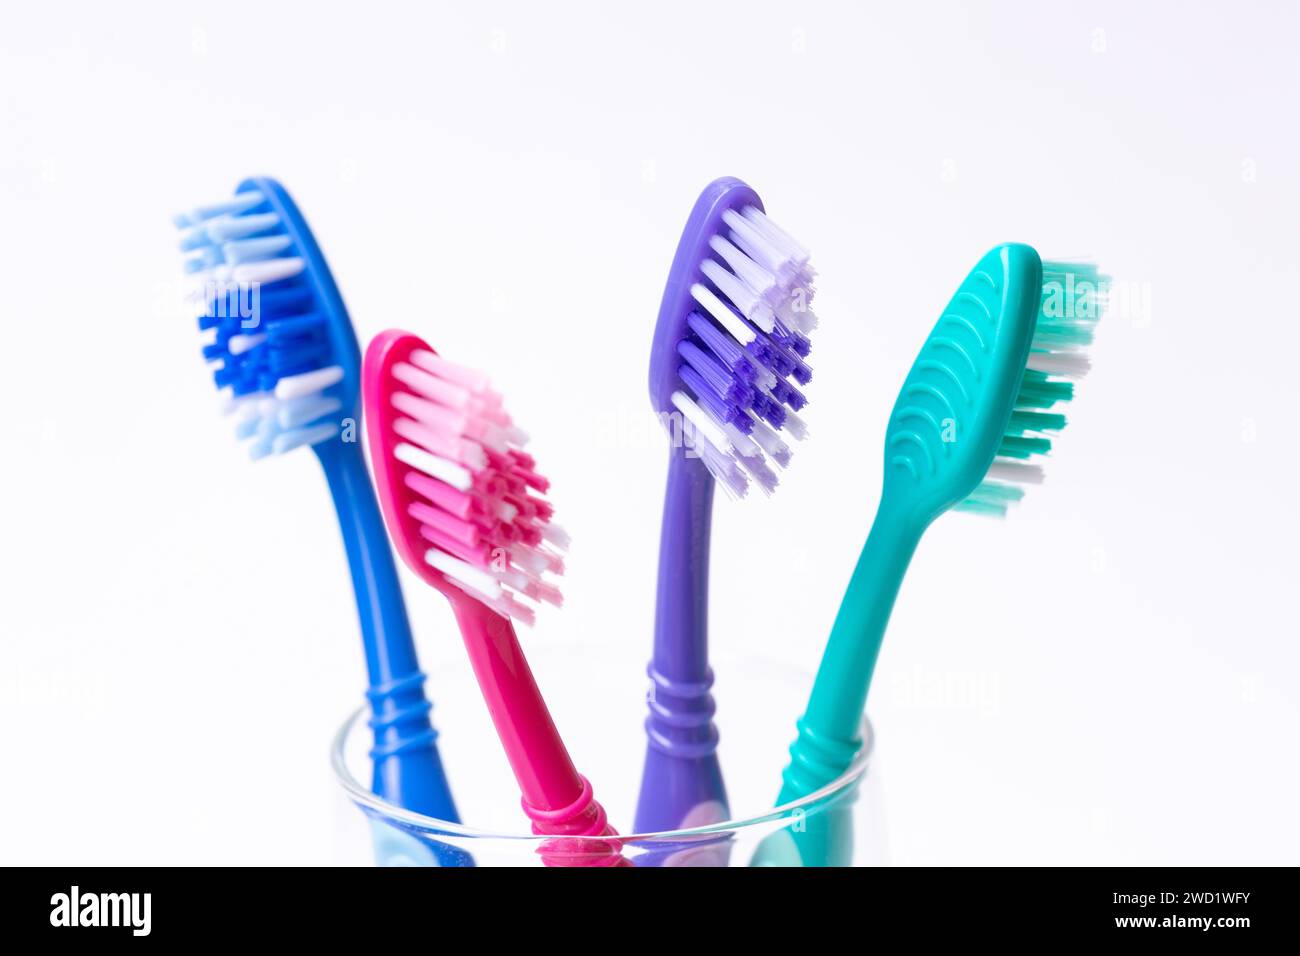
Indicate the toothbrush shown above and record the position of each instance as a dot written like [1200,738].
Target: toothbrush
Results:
[732,332]
[974,412]
[290,359]
[462,502]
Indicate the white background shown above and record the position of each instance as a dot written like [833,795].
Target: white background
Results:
[1109,676]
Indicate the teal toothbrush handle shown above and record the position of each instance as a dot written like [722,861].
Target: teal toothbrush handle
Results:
[829,729]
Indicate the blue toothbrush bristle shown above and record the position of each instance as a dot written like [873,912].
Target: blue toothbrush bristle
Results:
[745,349]
[1073,300]
[268,334]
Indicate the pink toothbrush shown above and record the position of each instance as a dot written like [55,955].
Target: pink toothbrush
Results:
[463,507]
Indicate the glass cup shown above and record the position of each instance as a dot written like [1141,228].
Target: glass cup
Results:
[758,700]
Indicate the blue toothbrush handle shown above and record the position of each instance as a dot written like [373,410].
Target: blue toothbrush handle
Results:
[407,769]
[682,779]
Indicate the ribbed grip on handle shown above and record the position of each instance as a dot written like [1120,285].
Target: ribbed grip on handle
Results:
[815,761]
[407,768]
[400,717]
[680,723]
[682,778]
[583,817]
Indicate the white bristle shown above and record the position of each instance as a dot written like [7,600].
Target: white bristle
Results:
[521,582]
[241,202]
[745,301]
[530,560]
[770,441]
[723,467]
[297,437]
[252,250]
[728,319]
[750,272]
[710,442]
[475,593]
[758,469]
[705,426]
[557,536]
[267,271]
[742,444]
[452,447]
[777,236]
[795,425]
[755,245]
[434,466]
[552,561]
[296,386]
[464,572]
[301,411]
[766,379]
[1004,469]
[239,344]
[229,228]
[1074,364]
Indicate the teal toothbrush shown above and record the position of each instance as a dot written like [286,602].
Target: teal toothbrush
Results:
[975,409]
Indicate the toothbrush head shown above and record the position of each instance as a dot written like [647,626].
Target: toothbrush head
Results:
[976,408]
[463,502]
[728,361]
[279,332]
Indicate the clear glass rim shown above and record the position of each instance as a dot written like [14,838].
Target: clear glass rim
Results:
[363,797]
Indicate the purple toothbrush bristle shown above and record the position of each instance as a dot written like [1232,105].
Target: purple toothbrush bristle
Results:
[745,345]
[721,381]
[721,410]
[791,339]
[762,351]
[722,345]
[780,360]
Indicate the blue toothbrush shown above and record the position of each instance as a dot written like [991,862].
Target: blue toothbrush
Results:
[289,356]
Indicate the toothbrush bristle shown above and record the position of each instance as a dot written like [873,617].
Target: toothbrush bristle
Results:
[476,498]
[747,338]
[1073,300]
[264,326]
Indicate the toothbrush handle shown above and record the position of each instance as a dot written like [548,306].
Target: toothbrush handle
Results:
[682,781]
[557,799]
[407,768]
[828,731]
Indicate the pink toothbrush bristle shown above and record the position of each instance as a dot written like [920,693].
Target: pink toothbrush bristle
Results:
[475,494]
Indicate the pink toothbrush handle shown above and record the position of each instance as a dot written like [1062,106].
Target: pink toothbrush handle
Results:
[557,799]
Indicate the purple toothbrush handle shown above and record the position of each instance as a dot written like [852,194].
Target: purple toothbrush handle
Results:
[682,783]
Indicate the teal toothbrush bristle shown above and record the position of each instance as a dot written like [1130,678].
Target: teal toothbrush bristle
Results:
[1072,302]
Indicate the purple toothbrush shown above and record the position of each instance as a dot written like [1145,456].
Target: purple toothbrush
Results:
[732,334]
